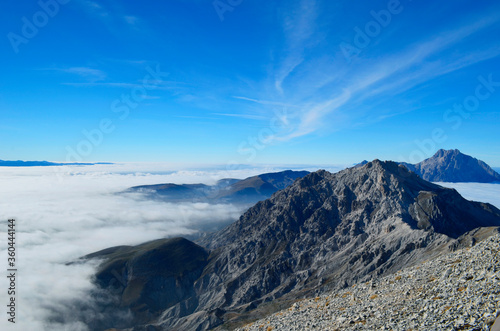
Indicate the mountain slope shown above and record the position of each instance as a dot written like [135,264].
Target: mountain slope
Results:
[147,278]
[324,231]
[457,291]
[454,166]
[258,187]
[175,192]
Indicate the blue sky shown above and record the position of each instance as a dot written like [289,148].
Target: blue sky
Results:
[231,81]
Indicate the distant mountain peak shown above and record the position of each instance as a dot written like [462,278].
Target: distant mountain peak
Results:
[454,166]
[360,164]
[451,166]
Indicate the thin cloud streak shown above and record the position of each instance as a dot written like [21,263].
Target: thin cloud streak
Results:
[91,74]
[87,72]
[158,85]
[117,17]
[298,30]
[245,116]
[265,102]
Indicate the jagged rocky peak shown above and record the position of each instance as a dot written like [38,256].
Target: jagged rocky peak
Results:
[374,180]
[363,195]
[447,153]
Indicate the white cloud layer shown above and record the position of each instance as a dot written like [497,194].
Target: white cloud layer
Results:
[477,191]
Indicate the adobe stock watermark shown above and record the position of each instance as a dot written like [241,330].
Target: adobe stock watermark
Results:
[30,27]
[223,6]
[455,117]
[121,108]
[372,29]
[249,148]
[253,144]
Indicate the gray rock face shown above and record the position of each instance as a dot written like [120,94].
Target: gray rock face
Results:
[325,231]
[453,166]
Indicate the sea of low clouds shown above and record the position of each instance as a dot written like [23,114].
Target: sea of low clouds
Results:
[477,191]
[63,213]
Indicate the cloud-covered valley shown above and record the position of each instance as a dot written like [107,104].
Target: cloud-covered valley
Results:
[62,214]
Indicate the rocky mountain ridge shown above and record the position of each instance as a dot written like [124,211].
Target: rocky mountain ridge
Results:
[227,190]
[324,232]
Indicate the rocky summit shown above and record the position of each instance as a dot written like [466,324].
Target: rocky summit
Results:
[324,232]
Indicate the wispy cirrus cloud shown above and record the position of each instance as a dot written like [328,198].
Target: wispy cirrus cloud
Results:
[298,27]
[132,20]
[419,62]
[312,116]
[109,12]
[94,8]
[433,69]
[238,115]
[265,102]
[89,74]
[412,66]
[160,85]
[86,72]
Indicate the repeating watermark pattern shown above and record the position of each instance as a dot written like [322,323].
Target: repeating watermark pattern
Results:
[266,136]
[454,116]
[122,108]
[371,30]
[483,91]
[223,6]
[30,27]
[11,270]
[249,148]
